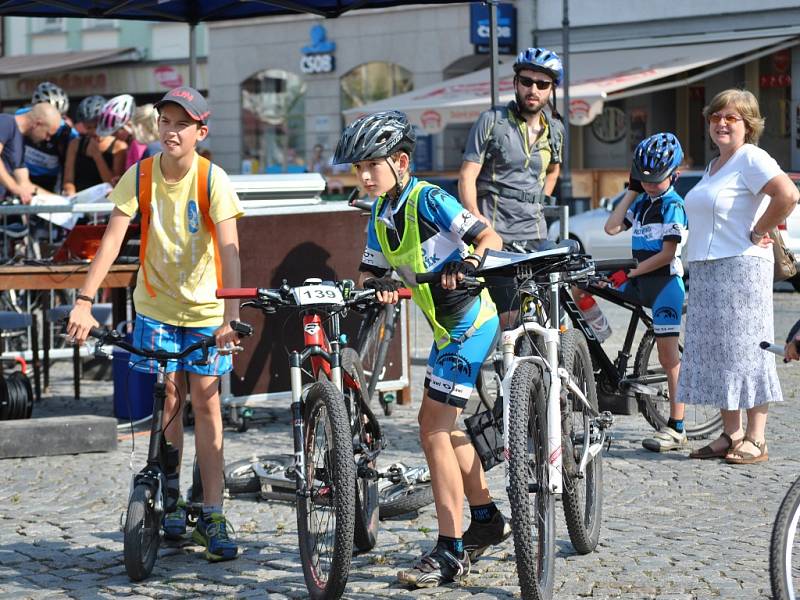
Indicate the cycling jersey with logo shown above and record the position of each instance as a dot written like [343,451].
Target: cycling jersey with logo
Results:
[45,160]
[654,221]
[446,230]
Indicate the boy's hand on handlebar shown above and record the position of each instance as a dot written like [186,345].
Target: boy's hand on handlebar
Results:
[385,289]
[227,339]
[790,351]
[455,271]
[80,322]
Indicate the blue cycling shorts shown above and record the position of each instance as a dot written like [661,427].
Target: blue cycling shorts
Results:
[453,370]
[664,294]
[150,334]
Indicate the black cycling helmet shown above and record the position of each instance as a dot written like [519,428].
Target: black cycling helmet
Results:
[90,108]
[656,158]
[378,135]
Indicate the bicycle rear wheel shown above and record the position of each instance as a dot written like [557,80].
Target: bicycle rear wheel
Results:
[784,550]
[141,541]
[532,502]
[325,505]
[700,421]
[366,443]
[583,494]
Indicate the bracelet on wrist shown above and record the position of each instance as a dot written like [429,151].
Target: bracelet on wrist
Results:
[474,257]
[85,298]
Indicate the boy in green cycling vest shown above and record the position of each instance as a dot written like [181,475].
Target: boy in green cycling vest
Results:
[416,227]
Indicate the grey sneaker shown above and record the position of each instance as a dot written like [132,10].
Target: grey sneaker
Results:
[434,569]
[480,536]
[665,440]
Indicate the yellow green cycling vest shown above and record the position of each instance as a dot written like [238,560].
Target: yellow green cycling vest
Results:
[408,257]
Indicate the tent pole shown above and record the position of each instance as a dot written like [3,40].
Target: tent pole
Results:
[193,55]
[566,176]
[493,53]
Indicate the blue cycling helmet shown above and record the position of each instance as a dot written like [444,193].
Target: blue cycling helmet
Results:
[656,158]
[540,59]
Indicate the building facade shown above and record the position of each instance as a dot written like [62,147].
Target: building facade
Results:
[279,85]
[96,56]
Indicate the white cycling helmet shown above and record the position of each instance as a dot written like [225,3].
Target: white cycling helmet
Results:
[115,114]
[52,94]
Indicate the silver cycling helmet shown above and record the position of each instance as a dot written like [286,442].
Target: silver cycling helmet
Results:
[52,94]
[90,108]
[378,135]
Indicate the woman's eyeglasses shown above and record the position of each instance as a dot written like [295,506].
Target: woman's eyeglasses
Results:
[726,119]
[540,84]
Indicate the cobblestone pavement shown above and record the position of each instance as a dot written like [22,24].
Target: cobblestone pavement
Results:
[672,528]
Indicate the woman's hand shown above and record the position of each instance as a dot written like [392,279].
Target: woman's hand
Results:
[762,240]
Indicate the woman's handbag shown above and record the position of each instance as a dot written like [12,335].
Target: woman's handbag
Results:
[785,267]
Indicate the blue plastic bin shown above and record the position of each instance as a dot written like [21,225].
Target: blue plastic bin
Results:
[131,389]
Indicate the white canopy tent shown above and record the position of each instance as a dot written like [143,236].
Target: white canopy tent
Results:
[596,75]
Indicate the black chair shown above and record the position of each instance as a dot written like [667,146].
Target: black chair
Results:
[58,316]
[12,320]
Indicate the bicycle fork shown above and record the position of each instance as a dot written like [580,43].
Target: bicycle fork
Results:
[298,434]
[511,362]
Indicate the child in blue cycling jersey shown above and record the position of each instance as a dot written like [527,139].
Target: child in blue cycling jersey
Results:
[417,227]
[655,212]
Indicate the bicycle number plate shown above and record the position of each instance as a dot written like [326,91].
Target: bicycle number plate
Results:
[318,294]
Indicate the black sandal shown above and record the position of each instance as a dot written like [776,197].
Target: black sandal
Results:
[708,452]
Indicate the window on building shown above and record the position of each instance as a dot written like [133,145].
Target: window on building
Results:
[100,23]
[373,81]
[273,122]
[47,24]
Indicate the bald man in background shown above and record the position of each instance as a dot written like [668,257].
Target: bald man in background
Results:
[38,124]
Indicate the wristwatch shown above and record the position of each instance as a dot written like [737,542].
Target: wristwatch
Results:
[758,236]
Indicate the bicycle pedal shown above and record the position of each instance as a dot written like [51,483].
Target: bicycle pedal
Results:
[605,420]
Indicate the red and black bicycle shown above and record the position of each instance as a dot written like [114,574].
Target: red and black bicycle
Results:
[337,438]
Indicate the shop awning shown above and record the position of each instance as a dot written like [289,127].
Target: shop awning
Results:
[596,75]
[44,63]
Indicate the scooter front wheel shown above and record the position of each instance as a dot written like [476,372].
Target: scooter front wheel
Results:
[142,536]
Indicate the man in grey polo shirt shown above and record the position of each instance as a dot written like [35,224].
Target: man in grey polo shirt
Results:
[511,163]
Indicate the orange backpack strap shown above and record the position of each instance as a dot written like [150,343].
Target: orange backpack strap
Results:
[204,204]
[144,192]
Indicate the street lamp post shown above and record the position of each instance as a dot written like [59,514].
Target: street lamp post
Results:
[493,49]
[566,176]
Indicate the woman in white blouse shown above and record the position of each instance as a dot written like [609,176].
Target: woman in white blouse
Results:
[742,196]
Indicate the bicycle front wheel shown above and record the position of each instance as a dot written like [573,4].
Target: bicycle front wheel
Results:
[325,503]
[699,422]
[366,445]
[583,493]
[784,551]
[532,502]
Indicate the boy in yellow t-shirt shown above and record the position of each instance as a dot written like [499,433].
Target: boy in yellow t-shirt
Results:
[175,295]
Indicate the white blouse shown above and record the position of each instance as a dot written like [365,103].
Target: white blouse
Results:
[722,208]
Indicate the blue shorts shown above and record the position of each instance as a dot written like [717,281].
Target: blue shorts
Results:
[665,295]
[150,334]
[453,370]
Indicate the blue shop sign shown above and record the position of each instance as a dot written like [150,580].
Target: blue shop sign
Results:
[506,27]
[318,55]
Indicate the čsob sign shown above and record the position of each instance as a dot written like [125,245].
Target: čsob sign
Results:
[318,56]
[506,27]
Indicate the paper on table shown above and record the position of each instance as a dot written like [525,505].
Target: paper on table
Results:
[96,193]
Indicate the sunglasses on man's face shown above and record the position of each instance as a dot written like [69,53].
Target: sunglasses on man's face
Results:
[541,84]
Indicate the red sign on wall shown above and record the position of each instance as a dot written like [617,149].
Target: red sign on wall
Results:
[168,77]
[775,81]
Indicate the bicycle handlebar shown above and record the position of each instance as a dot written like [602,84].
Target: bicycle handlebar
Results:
[115,338]
[282,296]
[615,264]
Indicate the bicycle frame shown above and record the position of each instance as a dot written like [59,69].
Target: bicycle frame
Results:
[550,364]
[324,356]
